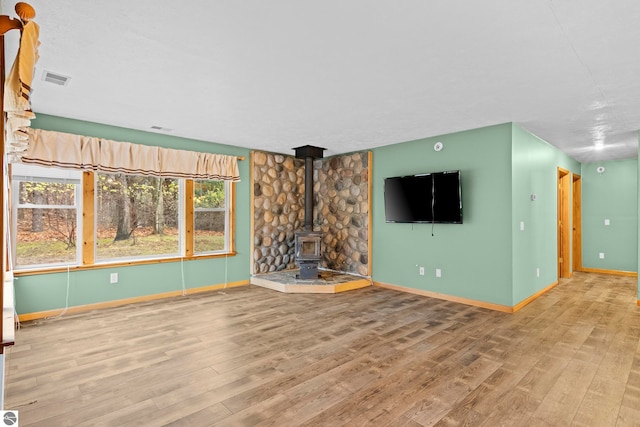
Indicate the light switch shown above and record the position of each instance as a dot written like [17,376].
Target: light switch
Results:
[521,225]
[606,221]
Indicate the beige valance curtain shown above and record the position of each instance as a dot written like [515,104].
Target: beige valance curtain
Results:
[49,148]
[17,89]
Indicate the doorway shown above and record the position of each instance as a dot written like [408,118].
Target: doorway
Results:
[564,223]
[577,222]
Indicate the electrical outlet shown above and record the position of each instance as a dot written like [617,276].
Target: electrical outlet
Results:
[113,278]
[438,272]
[422,271]
[601,255]
[521,225]
[538,272]
[607,222]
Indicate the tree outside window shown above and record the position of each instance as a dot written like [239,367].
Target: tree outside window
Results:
[44,217]
[136,216]
[211,220]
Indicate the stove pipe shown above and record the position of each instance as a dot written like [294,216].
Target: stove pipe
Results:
[309,153]
[308,193]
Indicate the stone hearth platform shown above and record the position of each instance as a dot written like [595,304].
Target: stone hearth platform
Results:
[329,282]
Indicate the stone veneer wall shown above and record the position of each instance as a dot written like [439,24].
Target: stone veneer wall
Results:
[341,189]
[341,211]
[278,200]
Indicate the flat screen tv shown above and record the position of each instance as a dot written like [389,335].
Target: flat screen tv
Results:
[425,198]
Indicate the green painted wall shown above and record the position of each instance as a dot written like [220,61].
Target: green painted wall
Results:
[487,258]
[42,292]
[475,257]
[611,195]
[534,171]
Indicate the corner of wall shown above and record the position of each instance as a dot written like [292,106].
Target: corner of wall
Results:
[534,205]
[341,191]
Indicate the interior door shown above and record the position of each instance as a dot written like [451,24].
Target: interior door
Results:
[564,233]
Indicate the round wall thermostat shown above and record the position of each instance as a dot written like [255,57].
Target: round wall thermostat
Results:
[438,146]
[600,169]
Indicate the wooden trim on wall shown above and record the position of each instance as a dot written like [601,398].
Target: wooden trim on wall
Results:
[468,301]
[88,217]
[188,218]
[370,215]
[614,272]
[252,210]
[530,299]
[130,263]
[232,217]
[564,223]
[576,222]
[108,304]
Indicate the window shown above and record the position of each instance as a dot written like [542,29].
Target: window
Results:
[44,217]
[211,216]
[134,218]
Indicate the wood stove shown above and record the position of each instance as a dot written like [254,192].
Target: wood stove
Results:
[308,253]
[308,242]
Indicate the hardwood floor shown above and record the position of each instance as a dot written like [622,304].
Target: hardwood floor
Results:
[251,356]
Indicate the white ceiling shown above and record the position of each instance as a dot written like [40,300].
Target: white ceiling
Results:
[346,74]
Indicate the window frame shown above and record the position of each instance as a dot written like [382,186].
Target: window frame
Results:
[42,174]
[86,196]
[227,221]
[181,238]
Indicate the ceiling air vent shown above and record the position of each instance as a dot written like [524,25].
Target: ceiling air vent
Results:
[161,128]
[54,78]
